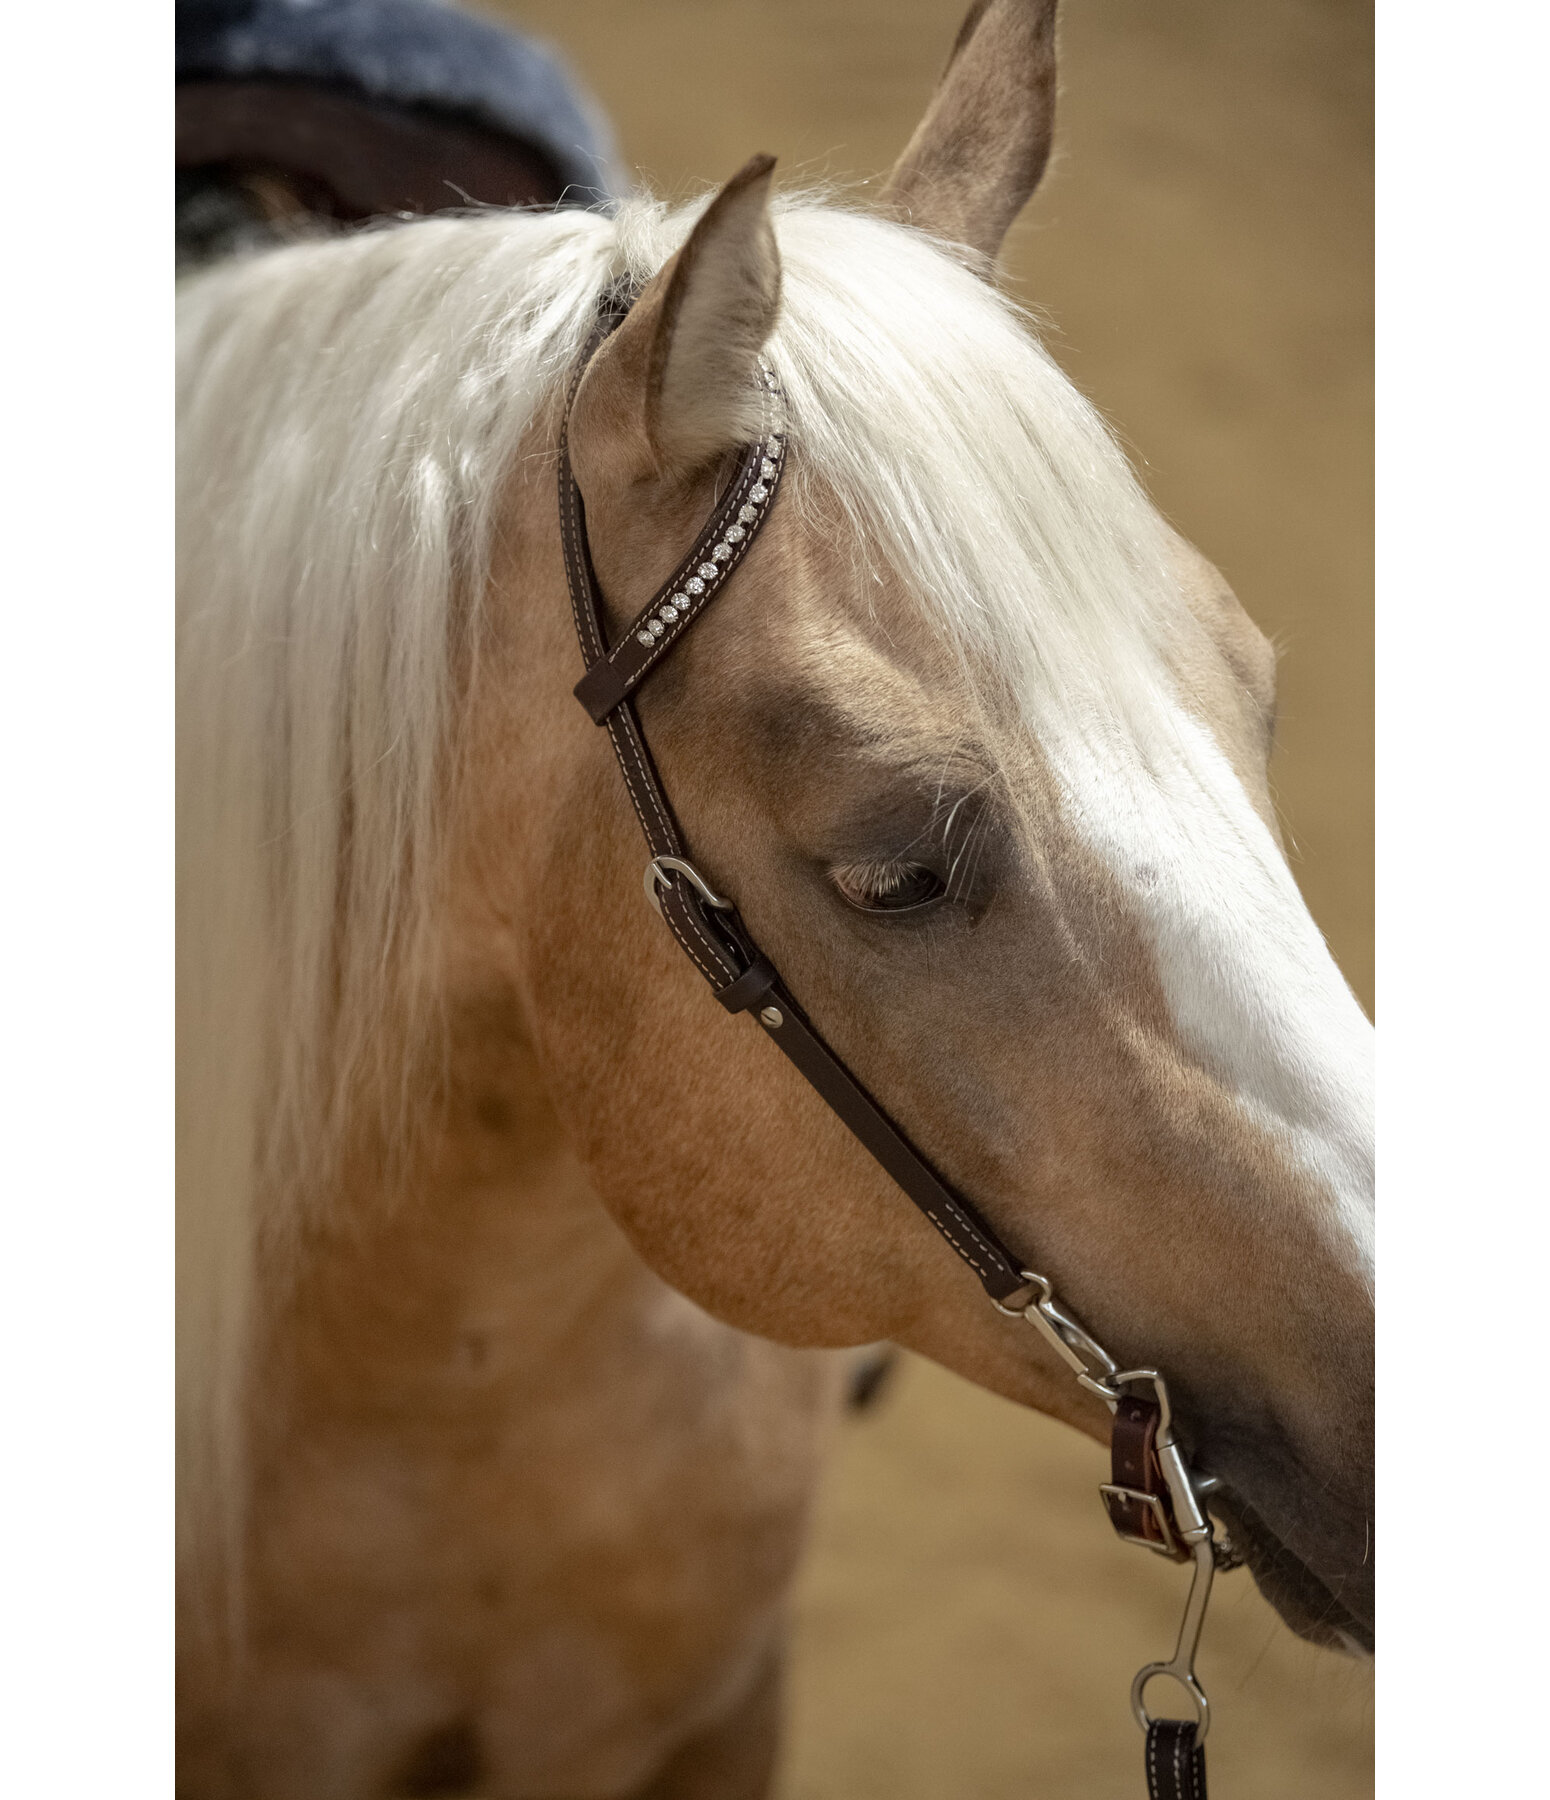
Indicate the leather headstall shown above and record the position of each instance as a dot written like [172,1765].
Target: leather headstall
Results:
[718,943]
[706,926]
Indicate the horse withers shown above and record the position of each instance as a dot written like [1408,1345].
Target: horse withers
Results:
[512,1268]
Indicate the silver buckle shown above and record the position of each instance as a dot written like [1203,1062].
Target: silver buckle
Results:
[1114,1498]
[659,872]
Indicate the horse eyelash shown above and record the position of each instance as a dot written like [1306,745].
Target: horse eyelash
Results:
[957,840]
[876,877]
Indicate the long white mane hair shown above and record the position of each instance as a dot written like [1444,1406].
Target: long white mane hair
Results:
[347,414]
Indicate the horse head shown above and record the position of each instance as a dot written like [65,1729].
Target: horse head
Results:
[978,746]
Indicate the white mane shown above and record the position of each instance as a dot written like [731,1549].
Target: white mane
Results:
[347,413]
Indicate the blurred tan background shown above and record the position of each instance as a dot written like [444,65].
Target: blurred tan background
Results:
[967,1625]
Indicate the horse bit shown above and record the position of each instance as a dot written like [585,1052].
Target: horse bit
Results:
[1153,1498]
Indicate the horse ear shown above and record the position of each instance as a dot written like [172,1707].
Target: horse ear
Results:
[676,382]
[978,153]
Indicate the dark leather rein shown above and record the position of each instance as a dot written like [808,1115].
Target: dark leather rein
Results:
[1152,1498]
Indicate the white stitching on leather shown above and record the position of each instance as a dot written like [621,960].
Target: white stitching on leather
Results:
[626,747]
[712,534]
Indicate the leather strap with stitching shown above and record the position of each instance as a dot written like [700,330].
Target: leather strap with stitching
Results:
[743,980]
[1139,1489]
[1175,1762]
[675,606]
[716,940]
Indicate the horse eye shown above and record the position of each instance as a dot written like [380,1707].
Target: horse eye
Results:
[890,887]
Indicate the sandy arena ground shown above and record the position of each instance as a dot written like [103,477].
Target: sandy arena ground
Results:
[967,1627]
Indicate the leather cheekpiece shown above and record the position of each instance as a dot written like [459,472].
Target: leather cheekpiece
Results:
[716,940]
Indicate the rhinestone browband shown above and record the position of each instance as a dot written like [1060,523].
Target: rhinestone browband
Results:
[697,580]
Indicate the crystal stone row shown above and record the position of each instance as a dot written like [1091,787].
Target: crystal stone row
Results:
[677,606]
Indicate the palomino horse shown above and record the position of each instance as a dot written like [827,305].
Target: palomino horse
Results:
[513,1267]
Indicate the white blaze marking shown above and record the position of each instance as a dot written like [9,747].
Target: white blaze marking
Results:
[1254,991]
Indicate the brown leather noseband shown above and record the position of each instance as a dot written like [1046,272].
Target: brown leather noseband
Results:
[1152,1499]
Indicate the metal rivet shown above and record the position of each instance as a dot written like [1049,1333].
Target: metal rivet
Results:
[772,1016]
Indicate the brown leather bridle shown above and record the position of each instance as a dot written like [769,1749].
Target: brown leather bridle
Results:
[1152,1498]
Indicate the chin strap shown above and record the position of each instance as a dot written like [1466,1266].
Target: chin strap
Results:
[1152,1500]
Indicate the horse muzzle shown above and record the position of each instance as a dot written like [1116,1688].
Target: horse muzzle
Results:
[1306,1535]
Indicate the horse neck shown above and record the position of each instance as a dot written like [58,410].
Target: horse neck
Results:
[492,1214]
[478,1267]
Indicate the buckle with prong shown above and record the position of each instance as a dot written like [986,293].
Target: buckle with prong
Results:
[1123,1504]
[659,873]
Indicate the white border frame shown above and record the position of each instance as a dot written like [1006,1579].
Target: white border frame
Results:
[85,736]
[86,745]
[1463,660]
